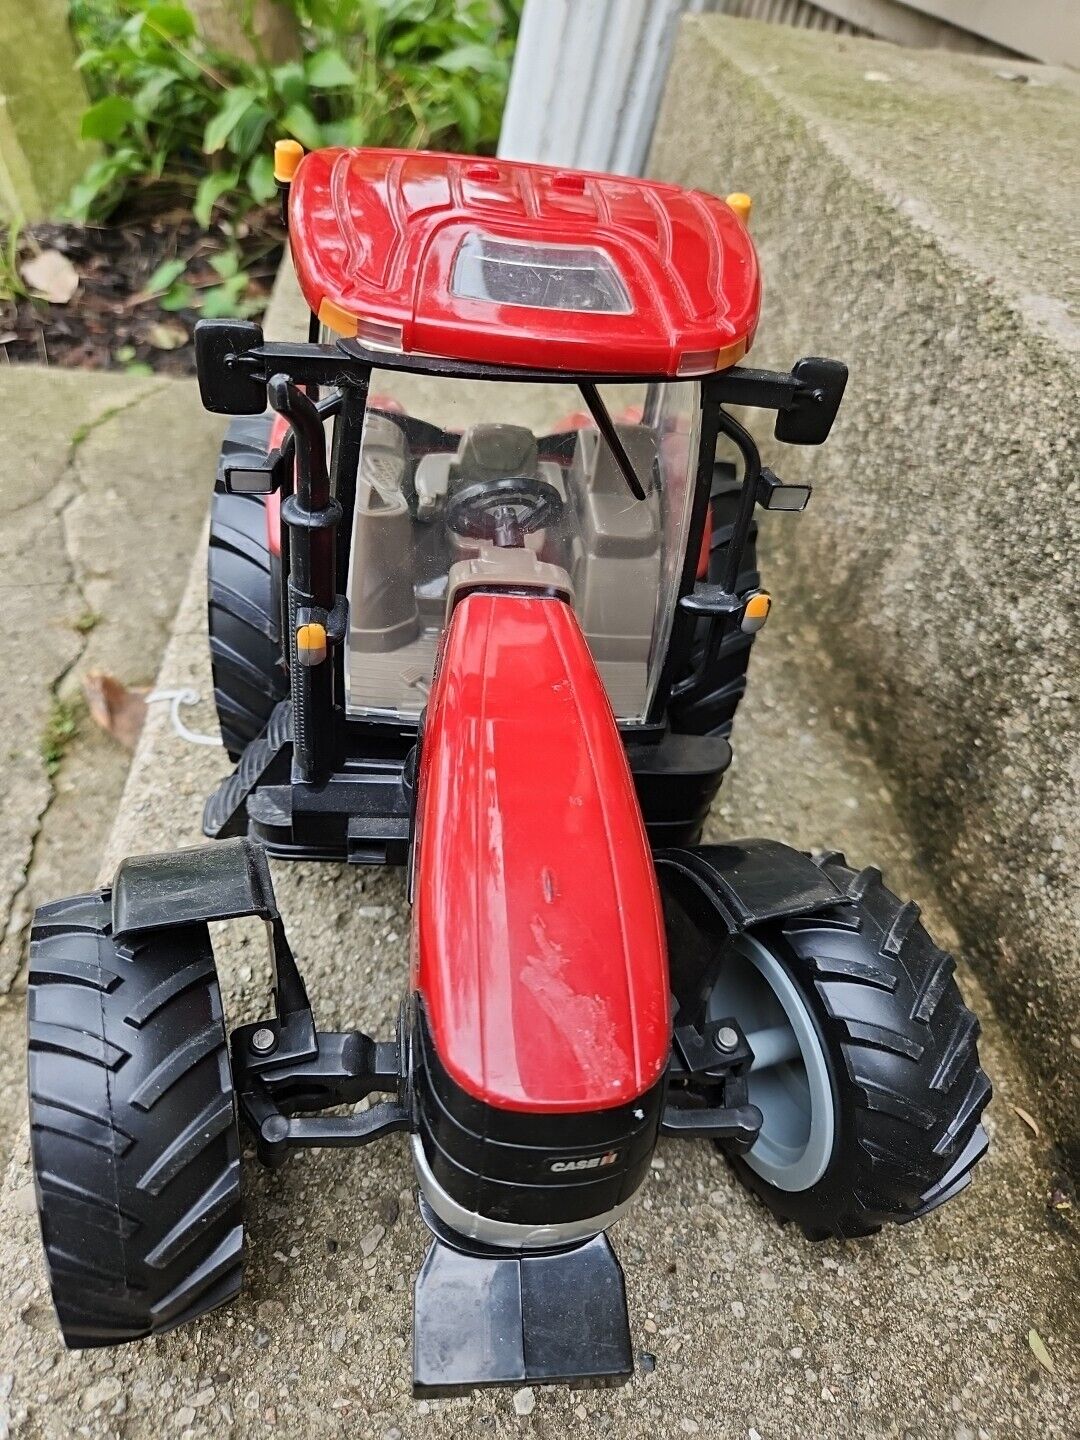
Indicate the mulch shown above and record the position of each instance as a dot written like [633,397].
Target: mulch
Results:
[109,323]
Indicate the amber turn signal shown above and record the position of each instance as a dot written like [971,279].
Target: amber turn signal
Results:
[742,205]
[311,644]
[755,612]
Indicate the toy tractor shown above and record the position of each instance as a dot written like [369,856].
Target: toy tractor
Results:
[481,599]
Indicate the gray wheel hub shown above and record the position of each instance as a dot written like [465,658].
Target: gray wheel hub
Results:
[789,1079]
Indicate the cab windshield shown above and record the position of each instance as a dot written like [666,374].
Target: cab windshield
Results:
[464,482]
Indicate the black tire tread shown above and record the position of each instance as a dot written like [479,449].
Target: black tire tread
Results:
[902,1045]
[133,1126]
[245,646]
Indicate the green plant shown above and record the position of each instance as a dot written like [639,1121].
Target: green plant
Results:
[60,727]
[181,122]
[12,285]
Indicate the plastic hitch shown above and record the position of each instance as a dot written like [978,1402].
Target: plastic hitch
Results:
[345,1068]
[707,1095]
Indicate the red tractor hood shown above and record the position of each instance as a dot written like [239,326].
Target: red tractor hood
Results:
[539,951]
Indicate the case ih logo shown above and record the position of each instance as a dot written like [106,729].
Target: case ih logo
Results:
[590,1162]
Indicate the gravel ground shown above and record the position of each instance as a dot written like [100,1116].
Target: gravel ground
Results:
[741,1328]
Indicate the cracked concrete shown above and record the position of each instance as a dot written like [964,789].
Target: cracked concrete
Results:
[97,527]
[920,1333]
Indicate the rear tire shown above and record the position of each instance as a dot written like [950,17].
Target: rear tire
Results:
[245,639]
[132,1125]
[901,1068]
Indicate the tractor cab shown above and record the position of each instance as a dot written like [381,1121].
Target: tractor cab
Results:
[447,503]
[517,375]
[466,482]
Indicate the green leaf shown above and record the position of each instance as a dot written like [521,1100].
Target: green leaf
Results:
[344,132]
[289,82]
[237,103]
[248,135]
[171,20]
[211,188]
[468,108]
[329,70]
[227,264]
[260,179]
[469,57]
[108,119]
[163,277]
[97,193]
[150,94]
[302,125]
[180,297]
[224,299]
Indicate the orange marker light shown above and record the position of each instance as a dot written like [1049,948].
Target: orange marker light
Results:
[311,644]
[287,157]
[337,319]
[755,612]
[742,205]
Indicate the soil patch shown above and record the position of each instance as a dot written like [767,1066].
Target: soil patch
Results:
[111,322]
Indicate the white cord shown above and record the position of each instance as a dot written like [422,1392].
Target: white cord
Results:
[178,698]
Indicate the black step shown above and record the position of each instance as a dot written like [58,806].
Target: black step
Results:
[267,757]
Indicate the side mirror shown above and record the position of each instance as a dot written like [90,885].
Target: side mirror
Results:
[808,419]
[228,388]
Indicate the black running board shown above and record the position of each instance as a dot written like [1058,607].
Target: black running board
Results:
[483,1317]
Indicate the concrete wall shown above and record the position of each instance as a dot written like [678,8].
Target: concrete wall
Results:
[42,98]
[912,213]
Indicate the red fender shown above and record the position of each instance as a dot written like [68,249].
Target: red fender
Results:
[538,941]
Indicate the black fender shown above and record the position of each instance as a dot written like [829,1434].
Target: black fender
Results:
[212,882]
[184,887]
[711,892]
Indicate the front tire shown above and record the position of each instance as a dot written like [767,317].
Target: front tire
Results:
[875,1115]
[132,1125]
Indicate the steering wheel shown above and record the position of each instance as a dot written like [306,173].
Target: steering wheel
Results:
[503,511]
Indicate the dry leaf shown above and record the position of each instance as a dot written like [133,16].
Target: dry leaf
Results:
[1039,1350]
[1029,1120]
[119,711]
[52,276]
[166,336]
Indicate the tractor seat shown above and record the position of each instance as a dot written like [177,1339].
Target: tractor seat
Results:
[486,452]
[613,523]
[489,452]
[539,940]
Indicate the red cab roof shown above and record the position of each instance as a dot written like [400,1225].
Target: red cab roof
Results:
[504,263]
